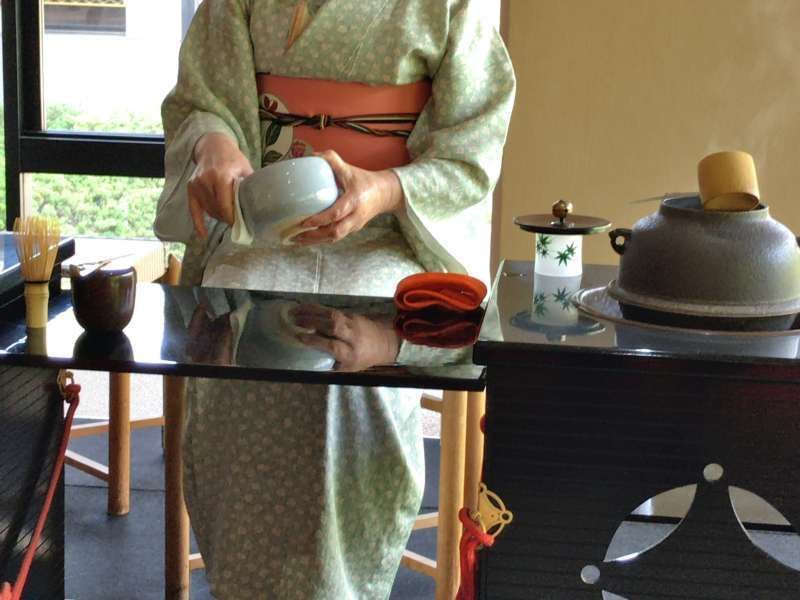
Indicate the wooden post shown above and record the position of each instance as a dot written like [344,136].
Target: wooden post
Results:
[119,444]
[176,519]
[451,493]
[476,407]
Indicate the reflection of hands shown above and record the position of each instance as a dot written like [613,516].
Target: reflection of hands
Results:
[355,341]
[219,164]
[366,194]
[210,341]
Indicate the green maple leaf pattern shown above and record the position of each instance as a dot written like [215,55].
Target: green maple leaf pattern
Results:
[538,304]
[571,250]
[564,256]
[563,296]
[543,245]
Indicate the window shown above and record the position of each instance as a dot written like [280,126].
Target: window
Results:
[84,16]
[95,79]
[83,84]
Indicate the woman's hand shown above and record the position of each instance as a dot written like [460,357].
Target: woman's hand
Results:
[219,164]
[365,195]
[355,341]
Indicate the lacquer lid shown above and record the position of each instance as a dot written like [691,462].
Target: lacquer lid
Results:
[562,222]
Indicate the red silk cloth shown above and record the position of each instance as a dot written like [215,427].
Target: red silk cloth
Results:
[445,291]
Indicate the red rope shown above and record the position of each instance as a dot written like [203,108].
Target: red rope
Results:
[472,540]
[7,591]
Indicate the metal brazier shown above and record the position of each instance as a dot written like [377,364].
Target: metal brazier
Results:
[683,260]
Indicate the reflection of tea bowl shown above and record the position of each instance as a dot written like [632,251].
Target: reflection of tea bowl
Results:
[269,339]
[103,300]
[272,202]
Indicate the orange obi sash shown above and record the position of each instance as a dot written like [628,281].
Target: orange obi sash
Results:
[367,125]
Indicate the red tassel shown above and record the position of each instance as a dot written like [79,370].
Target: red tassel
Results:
[7,591]
[472,540]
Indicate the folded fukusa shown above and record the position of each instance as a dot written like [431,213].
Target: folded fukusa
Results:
[445,291]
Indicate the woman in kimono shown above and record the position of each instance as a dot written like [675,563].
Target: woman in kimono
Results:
[308,491]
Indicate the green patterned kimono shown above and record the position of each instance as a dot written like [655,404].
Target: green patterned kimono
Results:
[309,492]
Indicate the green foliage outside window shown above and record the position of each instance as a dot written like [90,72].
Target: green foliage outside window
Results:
[106,206]
[68,118]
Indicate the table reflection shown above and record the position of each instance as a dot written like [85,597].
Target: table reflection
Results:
[288,334]
[250,329]
[524,310]
[644,338]
[102,345]
[552,311]
[213,332]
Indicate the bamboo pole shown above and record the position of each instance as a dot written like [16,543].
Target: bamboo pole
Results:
[451,493]
[176,519]
[119,444]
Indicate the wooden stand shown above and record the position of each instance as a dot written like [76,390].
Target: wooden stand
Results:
[176,519]
[476,408]
[148,259]
[460,467]
[451,493]
[119,444]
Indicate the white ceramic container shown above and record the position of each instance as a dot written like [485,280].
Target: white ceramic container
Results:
[558,255]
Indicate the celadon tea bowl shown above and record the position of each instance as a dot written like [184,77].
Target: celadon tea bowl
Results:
[272,202]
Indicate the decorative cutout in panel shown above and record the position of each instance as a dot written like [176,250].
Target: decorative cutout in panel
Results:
[766,527]
[651,523]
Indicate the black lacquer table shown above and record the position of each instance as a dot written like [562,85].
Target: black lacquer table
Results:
[639,463]
[185,332]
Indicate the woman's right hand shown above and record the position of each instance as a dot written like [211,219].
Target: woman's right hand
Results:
[219,164]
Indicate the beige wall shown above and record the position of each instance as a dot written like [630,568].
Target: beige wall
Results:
[618,99]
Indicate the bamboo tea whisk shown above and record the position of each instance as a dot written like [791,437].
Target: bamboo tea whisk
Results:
[37,245]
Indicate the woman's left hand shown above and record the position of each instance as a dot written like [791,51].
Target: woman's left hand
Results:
[365,195]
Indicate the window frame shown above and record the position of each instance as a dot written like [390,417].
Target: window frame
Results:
[109,8]
[32,149]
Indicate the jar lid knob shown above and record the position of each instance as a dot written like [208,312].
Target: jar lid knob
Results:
[561,209]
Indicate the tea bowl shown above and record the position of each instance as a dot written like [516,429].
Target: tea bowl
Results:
[271,203]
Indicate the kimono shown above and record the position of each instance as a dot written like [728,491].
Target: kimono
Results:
[309,491]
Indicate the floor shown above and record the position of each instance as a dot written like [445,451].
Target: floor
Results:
[122,558]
